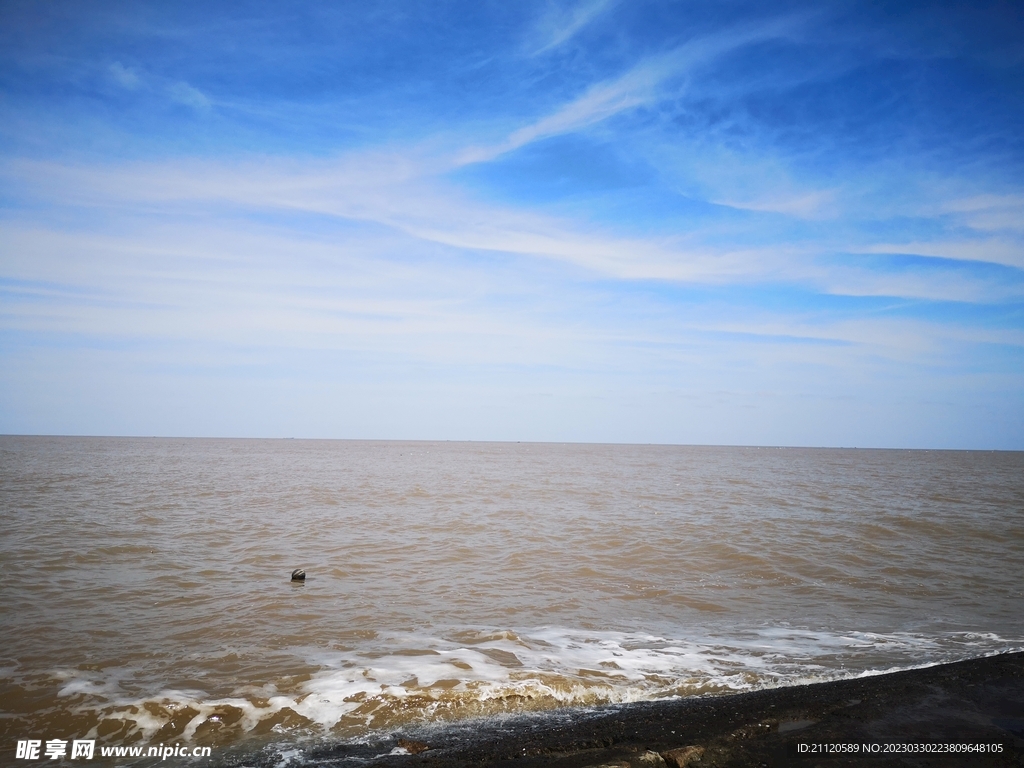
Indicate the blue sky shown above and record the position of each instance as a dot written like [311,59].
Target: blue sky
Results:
[675,222]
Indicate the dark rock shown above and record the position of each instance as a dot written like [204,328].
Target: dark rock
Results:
[683,756]
[413,747]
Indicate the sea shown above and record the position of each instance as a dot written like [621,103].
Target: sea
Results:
[147,596]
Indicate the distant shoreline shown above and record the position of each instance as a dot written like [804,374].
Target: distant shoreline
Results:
[974,702]
[423,441]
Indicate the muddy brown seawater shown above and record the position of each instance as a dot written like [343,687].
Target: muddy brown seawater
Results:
[148,599]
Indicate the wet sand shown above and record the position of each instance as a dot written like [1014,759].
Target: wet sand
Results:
[977,702]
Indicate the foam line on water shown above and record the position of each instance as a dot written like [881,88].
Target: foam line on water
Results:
[418,678]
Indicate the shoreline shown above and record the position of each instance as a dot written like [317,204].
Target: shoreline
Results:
[977,701]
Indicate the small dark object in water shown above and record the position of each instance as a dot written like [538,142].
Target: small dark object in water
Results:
[298,575]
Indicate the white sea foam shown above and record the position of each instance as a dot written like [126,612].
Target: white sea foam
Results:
[420,679]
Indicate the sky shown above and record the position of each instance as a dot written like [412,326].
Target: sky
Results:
[637,221]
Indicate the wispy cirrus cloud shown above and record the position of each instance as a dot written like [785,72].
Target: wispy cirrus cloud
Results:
[989,212]
[652,80]
[385,190]
[398,191]
[133,79]
[126,77]
[804,205]
[560,24]
[188,95]
[249,283]
[990,250]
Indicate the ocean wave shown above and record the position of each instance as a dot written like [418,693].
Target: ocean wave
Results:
[414,679]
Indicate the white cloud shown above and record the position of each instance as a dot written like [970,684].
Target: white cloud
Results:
[254,286]
[385,190]
[561,24]
[183,93]
[179,92]
[395,191]
[989,212]
[1005,252]
[126,77]
[941,286]
[806,205]
[644,84]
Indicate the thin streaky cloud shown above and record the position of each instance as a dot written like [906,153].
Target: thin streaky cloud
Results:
[299,297]
[644,84]
[989,212]
[385,190]
[126,77]
[560,25]
[430,212]
[807,205]
[188,95]
[992,251]
[985,203]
